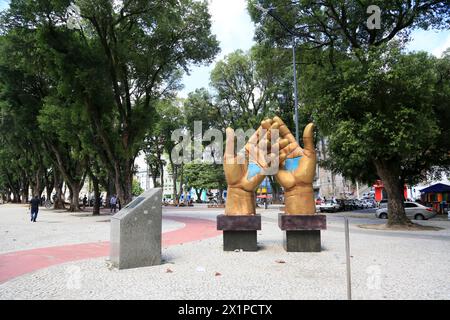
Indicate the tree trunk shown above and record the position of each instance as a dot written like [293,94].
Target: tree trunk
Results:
[49,190]
[16,197]
[123,181]
[389,172]
[24,194]
[95,182]
[49,183]
[154,180]
[275,191]
[37,186]
[161,170]
[74,197]
[109,194]
[199,195]
[110,188]
[174,182]
[128,185]
[180,190]
[58,202]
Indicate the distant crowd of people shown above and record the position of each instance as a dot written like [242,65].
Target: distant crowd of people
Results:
[36,202]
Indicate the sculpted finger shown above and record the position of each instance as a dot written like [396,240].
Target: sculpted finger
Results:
[308,137]
[229,147]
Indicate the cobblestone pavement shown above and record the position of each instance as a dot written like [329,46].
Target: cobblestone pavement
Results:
[384,264]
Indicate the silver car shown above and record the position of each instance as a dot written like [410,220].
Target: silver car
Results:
[329,206]
[413,210]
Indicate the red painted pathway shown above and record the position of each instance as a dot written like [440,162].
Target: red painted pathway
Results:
[14,264]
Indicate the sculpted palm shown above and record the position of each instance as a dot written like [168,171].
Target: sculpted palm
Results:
[245,171]
[297,170]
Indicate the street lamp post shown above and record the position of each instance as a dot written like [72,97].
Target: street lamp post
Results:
[270,12]
[295,89]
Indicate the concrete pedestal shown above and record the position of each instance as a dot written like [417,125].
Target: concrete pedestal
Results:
[302,232]
[136,232]
[239,232]
[245,240]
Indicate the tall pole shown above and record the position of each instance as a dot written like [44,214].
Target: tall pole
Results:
[347,260]
[295,89]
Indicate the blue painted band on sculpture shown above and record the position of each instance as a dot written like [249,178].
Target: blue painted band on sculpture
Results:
[253,170]
[292,164]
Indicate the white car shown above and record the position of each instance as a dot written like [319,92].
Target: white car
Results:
[329,206]
[413,210]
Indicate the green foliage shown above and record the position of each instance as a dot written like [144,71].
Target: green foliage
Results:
[136,188]
[199,106]
[202,176]
[379,108]
[342,25]
[391,108]
[104,80]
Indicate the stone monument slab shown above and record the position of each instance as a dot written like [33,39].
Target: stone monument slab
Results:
[136,232]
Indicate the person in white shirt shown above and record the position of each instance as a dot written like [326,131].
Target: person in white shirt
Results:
[113,203]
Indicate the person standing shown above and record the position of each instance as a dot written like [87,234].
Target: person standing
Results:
[113,203]
[34,206]
[84,202]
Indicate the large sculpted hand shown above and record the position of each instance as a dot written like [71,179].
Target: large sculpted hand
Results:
[297,170]
[245,171]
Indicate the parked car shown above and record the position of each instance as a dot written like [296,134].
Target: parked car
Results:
[413,210]
[348,205]
[341,204]
[329,206]
[366,204]
[382,203]
[371,202]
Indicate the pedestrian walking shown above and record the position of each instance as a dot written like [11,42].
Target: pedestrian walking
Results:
[113,203]
[84,202]
[34,206]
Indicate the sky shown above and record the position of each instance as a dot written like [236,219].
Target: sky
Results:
[233,28]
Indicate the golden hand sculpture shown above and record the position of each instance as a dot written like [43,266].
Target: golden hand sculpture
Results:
[245,171]
[297,170]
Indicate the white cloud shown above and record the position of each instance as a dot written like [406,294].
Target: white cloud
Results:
[441,48]
[432,41]
[232,25]
[234,30]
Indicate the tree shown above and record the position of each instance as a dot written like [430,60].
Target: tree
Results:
[137,189]
[389,118]
[122,59]
[199,106]
[58,122]
[202,176]
[170,118]
[22,90]
[342,25]
[243,93]
[358,62]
